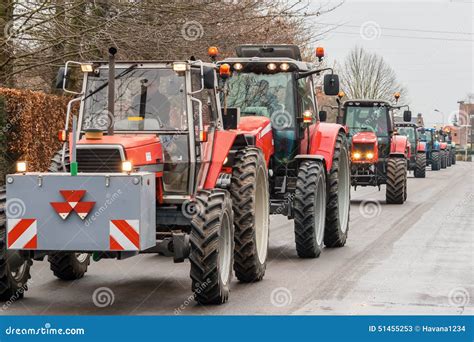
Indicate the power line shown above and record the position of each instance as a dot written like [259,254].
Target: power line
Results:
[409,37]
[401,29]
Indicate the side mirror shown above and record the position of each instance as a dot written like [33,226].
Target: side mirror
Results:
[231,118]
[323,115]
[331,84]
[210,78]
[60,78]
[407,116]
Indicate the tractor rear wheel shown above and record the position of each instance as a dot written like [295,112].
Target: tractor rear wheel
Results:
[14,265]
[448,159]
[250,202]
[453,158]
[339,196]
[443,159]
[310,209]
[66,265]
[420,167]
[212,247]
[435,161]
[396,180]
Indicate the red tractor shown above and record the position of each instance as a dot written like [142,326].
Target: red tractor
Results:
[417,161]
[148,166]
[306,159]
[378,155]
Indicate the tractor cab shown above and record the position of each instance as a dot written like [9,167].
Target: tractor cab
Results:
[160,121]
[368,118]
[273,82]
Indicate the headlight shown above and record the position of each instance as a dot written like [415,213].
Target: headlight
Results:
[357,155]
[369,155]
[21,166]
[127,166]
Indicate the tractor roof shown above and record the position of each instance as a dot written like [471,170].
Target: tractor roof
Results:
[366,102]
[151,63]
[405,124]
[252,53]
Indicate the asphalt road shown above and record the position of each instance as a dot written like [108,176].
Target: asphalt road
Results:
[415,258]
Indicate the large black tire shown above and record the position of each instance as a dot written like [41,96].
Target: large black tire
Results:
[420,167]
[453,157]
[310,209]
[435,161]
[448,159]
[212,247]
[251,205]
[338,197]
[65,265]
[442,158]
[396,181]
[69,266]
[13,275]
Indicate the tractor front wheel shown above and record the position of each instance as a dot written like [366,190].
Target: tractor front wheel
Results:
[212,247]
[310,209]
[420,167]
[14,265]
[250,201]
[443,159]
[396,181]
[339,196]
[435,161]
[69,266]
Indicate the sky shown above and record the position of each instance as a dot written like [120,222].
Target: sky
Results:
[429,44]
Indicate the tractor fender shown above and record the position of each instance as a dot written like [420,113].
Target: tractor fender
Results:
[399,146]
[223,141]
[421,146]
[257,131]
[302,157]
[323,141]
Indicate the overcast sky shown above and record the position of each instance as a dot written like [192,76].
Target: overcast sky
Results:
[430,44]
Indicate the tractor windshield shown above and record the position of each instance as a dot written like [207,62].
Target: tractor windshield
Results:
[145,100]
[425,136]
[263,95]
[409,132]
[373,119]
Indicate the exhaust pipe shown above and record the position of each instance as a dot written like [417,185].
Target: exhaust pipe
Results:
[111,90]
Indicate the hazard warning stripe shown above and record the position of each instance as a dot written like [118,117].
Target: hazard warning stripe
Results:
[22,233]
[124,234]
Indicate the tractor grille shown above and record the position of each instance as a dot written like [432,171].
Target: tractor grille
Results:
[99,160]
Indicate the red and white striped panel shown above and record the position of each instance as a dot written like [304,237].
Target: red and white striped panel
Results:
[22,234]
[124,235]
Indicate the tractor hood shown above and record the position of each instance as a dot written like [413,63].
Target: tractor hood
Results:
[364,138]
[254,124]
[126,140]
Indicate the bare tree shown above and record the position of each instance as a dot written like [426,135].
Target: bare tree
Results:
[366,75]
[43,34]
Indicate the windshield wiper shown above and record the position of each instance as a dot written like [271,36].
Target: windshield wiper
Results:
[103,85]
